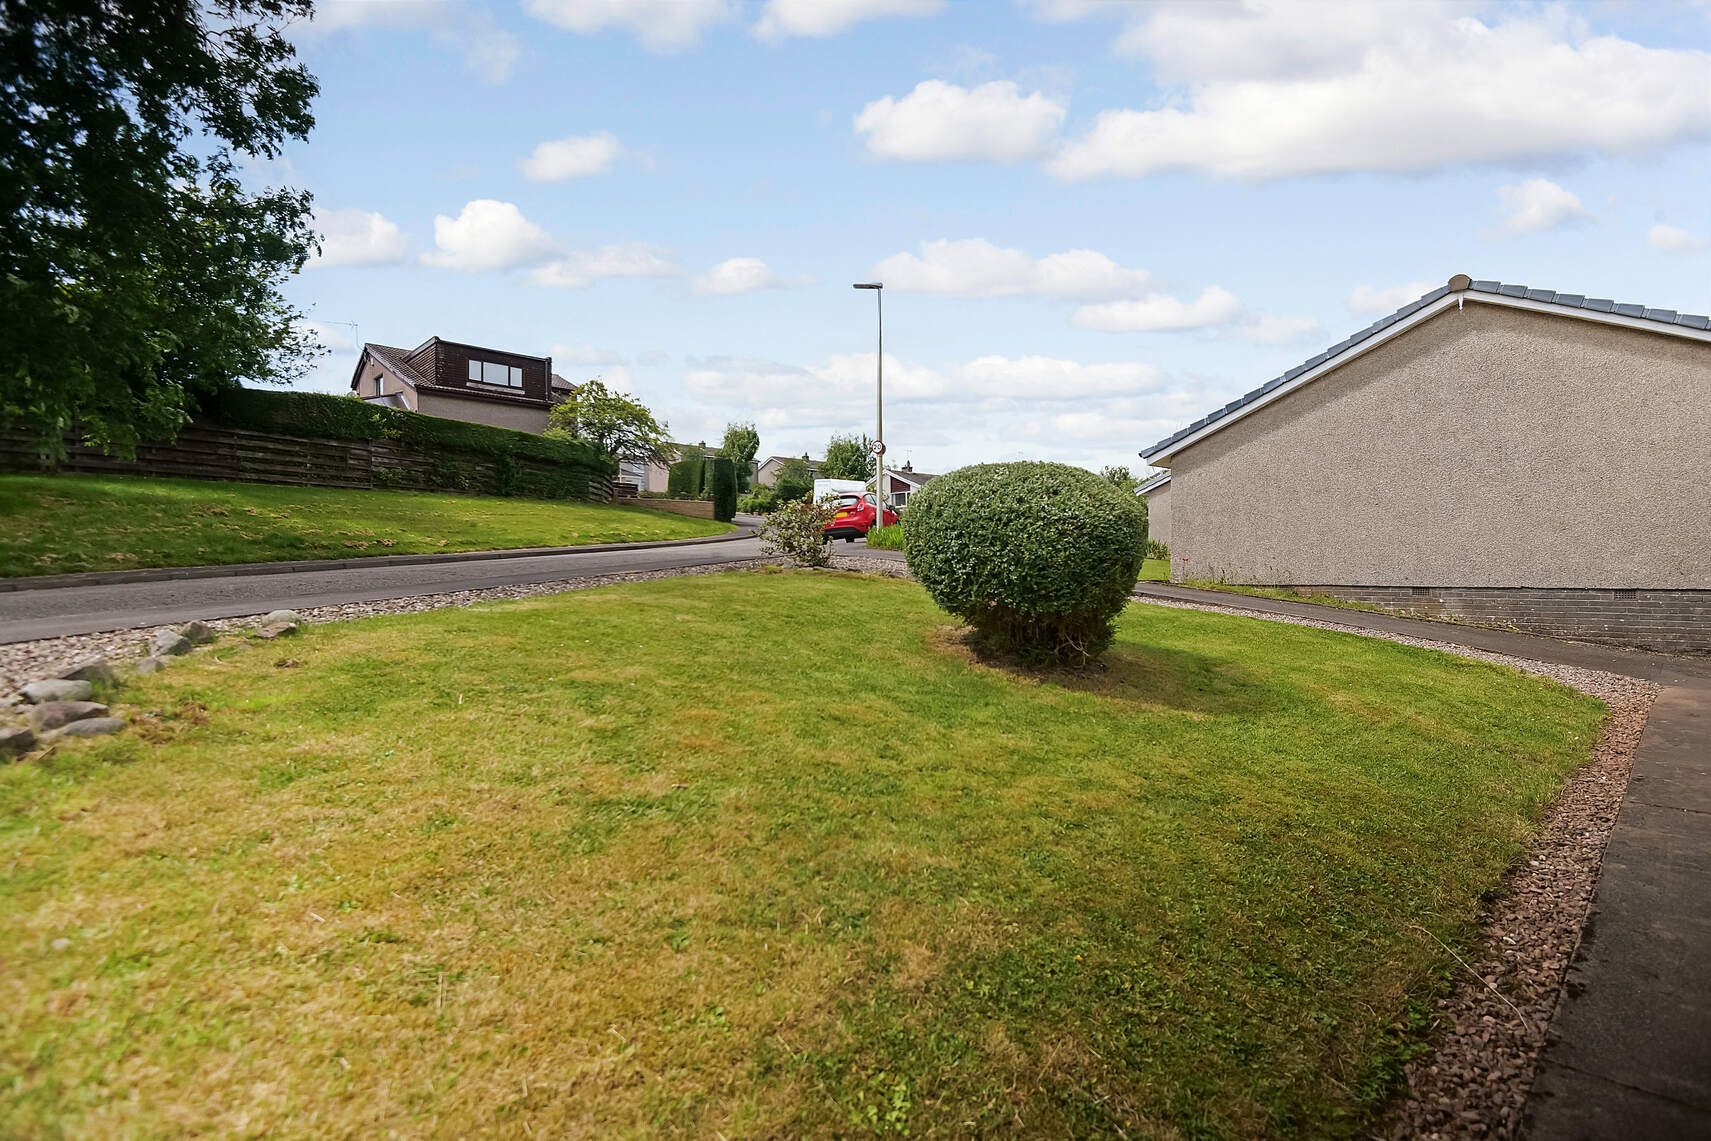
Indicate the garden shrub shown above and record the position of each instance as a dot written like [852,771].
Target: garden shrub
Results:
[886,538]
[683,479]
[788,489]
[758,502]
[797,530]
[1157,550]
[1038,558]
[722,482]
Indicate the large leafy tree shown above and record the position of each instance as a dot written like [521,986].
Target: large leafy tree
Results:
[848,457]
[742,443]
[136,270]
[620,427]
[1119,477]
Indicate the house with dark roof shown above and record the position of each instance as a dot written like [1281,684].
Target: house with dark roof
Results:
[1155,489]
[461,382]
[904,482]
[1490,453]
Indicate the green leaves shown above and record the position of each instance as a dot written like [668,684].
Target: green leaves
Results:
[620,427]
[848,457]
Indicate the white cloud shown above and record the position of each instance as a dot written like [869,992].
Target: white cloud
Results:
[841,386]
[939,121]
[1268,329]
[660,25]
[584,356]
[782,18]
[583,268]
[357,237]
[744,275]
[488,50]
[1673,239]
[1214,306]
[487,235]
[574,156]
[974,267]
[1538,204]
[1370,299]
[1275,89]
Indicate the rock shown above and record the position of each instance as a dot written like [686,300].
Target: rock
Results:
[199,633]
[57,689]
[96,669]
[168,642]
[150,665]
[272,630]
[16,740]
[53,714]
[92,727]
[290,616]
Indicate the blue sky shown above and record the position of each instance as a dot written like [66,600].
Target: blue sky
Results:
[1096,220]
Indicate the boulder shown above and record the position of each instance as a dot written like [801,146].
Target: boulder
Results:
[168,642]
[150,665]
[53,714]
[199,633]
[272,630]
[16,740]
[96,669]
[290,616]
[91,727]
[57,689]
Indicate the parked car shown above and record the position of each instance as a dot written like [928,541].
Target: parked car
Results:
[853,515]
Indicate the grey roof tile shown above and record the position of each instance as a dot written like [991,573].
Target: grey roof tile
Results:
[1545,296]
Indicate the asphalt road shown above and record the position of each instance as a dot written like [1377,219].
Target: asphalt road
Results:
[29,614]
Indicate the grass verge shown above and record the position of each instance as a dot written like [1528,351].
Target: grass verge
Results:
[1155,570]
[64,523]
[685,858]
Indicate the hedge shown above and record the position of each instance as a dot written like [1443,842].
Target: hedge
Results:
[555,468]
[684,478]
[722,481]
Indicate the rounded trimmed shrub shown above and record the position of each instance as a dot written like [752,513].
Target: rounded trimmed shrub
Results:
[1038,557]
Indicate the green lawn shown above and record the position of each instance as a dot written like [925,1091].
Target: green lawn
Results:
[62,523]
[687,858]
[1284,593]
[1155,570]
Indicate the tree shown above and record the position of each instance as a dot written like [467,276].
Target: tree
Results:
[1119,477]
[741,444]
[795,479]
[848,457]
[620,427]
[136,272]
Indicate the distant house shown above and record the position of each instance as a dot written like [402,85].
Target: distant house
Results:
[767,474]
[1156,491]
[1489,452]
[903,482]
[460,382]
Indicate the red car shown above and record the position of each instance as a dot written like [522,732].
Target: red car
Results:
[853,515]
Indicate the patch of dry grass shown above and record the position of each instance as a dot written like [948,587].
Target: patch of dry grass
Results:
[683,858]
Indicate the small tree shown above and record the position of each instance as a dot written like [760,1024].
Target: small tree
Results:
[797,530]
[1119,477]
[795,480]
[622,428]
[742,443]
[848,457]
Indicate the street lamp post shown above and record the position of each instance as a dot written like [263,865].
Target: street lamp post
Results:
[879,390]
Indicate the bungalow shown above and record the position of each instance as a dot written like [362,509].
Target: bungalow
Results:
[767,474]
[904,482]
[1490,453]
[460,382]
[1156,491]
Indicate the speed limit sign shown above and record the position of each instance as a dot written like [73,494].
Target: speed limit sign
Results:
[879,447]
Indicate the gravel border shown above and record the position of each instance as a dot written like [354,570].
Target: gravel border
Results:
[1473,1082]
[1474,1079]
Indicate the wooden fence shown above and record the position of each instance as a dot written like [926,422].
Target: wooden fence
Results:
[209,451]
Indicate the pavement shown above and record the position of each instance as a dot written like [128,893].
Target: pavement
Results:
[1629,1051]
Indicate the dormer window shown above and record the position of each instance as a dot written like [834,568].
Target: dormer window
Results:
[486,372]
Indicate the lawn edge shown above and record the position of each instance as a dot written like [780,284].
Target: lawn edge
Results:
[237,570]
